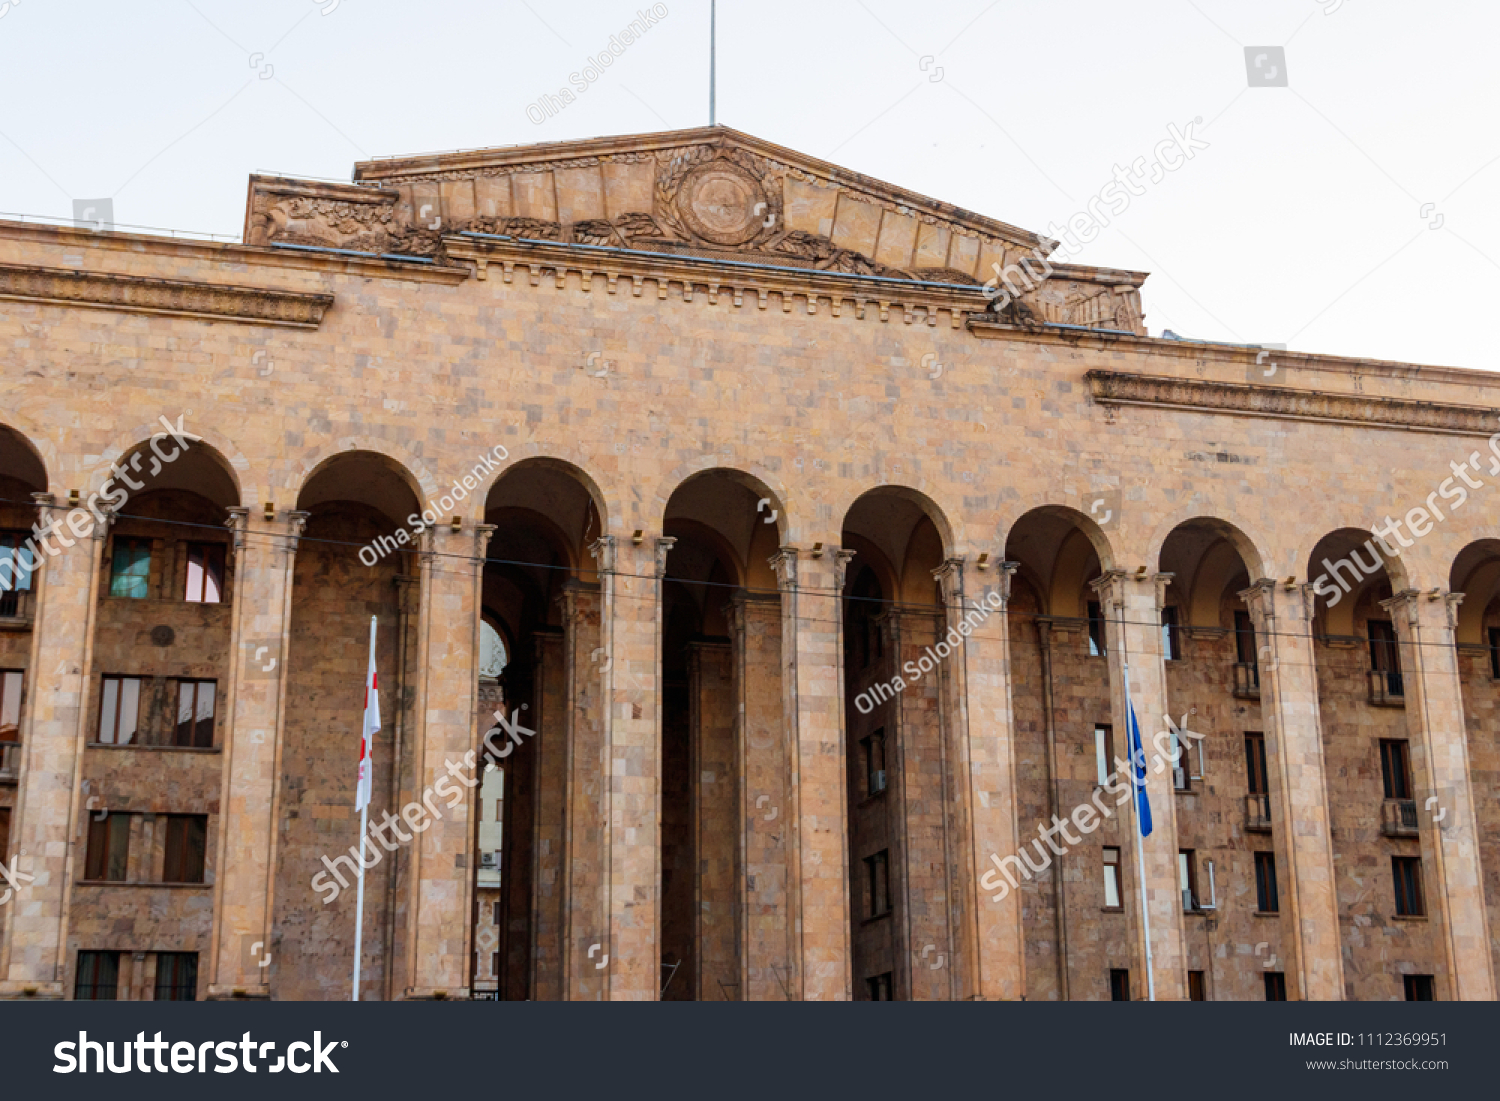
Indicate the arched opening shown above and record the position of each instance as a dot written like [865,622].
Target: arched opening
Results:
[718,597]
[1222,781]
[542,801]
[1065,745]
[355,558]
[896,666]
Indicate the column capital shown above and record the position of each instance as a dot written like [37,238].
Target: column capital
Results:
[603,550]
[1114,584]
[1415,607]
[664,545]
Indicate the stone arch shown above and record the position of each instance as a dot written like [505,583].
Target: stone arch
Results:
[759,481]
[754,525]
[1206,555]
[214,445]
[1058,549]
[299,473]
[1342,566]
[1476,574]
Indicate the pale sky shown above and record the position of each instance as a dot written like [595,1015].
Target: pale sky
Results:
[1306,221]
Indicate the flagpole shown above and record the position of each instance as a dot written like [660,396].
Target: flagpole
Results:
[713,41]
[1134,734]
[364,815]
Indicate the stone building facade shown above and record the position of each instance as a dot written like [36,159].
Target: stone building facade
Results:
[817,566]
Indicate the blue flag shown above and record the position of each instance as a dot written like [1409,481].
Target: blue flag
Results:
[1137,764]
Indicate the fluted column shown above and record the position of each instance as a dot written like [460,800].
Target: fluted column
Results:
[975,679]
[1133,604]
[813,695]
[631,576]
[439,912]
[1283,619]
[1453,880]
[265,552]
[46,833]
[767,946]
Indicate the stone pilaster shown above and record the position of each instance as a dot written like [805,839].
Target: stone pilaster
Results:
[265,553]
[1132,606]
[46,832]
[1453,880]
[440,908]
[1283,619]
[767,949]
[989,943]
[813,694]
[550,707]
[585,774]
[715,807]
[631,577]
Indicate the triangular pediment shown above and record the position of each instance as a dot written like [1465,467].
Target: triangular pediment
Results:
[708,194]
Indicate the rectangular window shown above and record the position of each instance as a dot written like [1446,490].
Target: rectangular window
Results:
[496,919]
[12,685]
[879,987]
[495,965]
[1171,637]
[1244,639]
[1195,986]
[878,879]
[1255,764]
[874,754]
[1419,988]
[1494,652]
[16,567]
[1395,768]
[177,976]
[1111,878]
[98,977]
[1104,752]
[1385,654]
[130,569]
[187,836]
[1267,901]
[120,710]
[1187,878]
[1096,630]
[108,858]
[1408,874]
[195,714]
[5,856]
[1119,985]
[1275,986]
[205,573]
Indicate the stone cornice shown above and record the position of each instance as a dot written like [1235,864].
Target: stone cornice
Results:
[712,278]
[1245,400]
[242,256]
[137,294]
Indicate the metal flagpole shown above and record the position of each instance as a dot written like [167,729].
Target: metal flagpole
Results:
[713,35]
[364,815]
[1136,788]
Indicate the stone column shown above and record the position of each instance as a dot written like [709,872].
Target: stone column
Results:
[767,947]
[440,910]
[1452,879]
[715,808]
[1283,619]
[989,940]
[265,553]
[813,693]
[46,834]
[1132,606]
[585,861]
[631,575]
[918,781]
[551,706]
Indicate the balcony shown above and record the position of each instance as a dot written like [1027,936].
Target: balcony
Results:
[17,605]
[1258,813]
[1386,689]
[1246,680]
[10,762]
[1399,818]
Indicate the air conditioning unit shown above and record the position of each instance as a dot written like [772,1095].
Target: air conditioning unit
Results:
[877,783]
[1180,779]
[1187,898]
[487,860]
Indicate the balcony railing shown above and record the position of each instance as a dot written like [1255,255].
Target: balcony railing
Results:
[10,762]
[1258,813]
[16,604]
[1399,818]
[1386,689]
[1246,680]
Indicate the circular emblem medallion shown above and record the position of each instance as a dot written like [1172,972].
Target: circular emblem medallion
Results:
[722,203]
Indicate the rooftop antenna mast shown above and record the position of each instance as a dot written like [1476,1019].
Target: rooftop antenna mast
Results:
[713,33]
